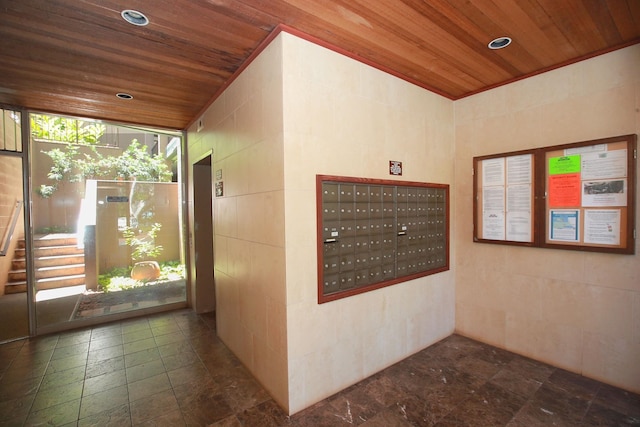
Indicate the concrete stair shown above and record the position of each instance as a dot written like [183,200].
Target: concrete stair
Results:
[59,263]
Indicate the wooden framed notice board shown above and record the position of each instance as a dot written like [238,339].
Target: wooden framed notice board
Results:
[578,196]
[374,233]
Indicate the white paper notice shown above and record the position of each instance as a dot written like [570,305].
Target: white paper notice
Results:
[519,213]
[587,149]
[519,175]
[519,198]
[493,172]
[493,213]
[604,193]
[519,169]
[519,226]
[602,226]
[608,164]
[493,199]
[493,225]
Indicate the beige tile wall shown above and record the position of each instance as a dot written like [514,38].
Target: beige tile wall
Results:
[576,310]
[345,118]
[271,133]
[299,110]
[243,127]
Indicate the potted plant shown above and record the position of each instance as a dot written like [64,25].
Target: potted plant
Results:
[144,251]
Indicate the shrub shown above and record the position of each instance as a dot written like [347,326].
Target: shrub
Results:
[118,279]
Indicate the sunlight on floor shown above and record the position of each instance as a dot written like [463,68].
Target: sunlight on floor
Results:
[49,294]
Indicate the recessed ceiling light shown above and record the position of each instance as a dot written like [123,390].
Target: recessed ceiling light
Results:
[134,17]
[123,95]
[499,43]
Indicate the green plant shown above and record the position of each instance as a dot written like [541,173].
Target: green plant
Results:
[143,242]
[69,164]
[118,278]
[172,270]
[63,161]
[63,129]
[117,283]
[135,163]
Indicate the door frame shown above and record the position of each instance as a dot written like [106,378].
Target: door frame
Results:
[34,329]
[203,298]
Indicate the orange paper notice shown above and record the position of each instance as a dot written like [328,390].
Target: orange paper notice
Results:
[564,190]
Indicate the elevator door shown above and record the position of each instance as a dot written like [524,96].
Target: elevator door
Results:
[204,297]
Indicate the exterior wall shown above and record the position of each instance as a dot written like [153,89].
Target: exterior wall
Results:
[111,251]
[58,213]
[243,127]
[579,311]
[342,117]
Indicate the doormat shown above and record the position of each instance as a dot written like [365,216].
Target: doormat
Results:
[91,304]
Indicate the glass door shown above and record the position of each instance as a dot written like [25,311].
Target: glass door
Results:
[106,221]
[14,312]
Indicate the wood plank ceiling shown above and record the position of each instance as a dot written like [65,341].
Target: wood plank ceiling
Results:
[73,56]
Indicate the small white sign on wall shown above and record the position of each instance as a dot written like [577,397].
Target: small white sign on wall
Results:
[395,167]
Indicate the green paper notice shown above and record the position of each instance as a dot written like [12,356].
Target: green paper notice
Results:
[564,164]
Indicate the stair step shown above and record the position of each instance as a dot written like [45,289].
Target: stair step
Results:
[40,241]
[18,264]
[49,261]
[58,260]
[59,270]
[47,283]
[48,272]
[57,250]
[17,276]
[15,287]
[51,251]
[60,282]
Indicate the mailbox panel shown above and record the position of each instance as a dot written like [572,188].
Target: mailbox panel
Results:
[331,283]
[374,233]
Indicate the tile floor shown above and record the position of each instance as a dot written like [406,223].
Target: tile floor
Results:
[171,370]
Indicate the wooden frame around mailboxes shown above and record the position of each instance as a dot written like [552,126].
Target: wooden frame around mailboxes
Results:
[374,233]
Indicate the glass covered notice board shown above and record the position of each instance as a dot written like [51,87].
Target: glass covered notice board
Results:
[578,196]
[375,233]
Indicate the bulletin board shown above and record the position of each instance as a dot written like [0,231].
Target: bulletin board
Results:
[590,195]
[504,198]
[375,233]
[580,196]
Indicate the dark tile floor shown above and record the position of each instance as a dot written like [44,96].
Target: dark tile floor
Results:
[171,370]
